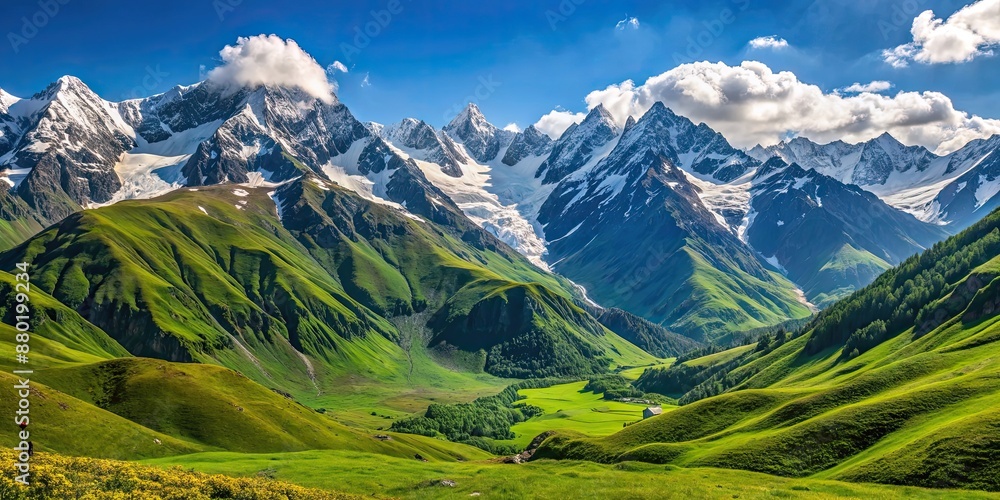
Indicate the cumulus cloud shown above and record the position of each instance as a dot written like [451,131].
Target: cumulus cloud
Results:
[271,60]
[751,104]
[512,127]
[336,66]
[629,23]
[971,32]
[874,87]
[768,42]
[555,122]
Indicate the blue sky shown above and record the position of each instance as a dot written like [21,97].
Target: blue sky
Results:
[523,58]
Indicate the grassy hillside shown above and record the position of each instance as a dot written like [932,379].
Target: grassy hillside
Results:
[61,334]
[364,474]
[201,277]
[840,273]
[137,408]
[213,276]
[525,330]
[896,384]
[18,222]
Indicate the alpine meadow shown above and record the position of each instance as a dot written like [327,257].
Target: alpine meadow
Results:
[317,270]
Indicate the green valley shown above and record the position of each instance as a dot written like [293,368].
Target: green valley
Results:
[709,280]
[897,403]
[330,344]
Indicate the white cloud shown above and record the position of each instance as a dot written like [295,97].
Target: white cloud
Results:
[555,122]
[512,127]
[769,42]
[271,60]
[629,23]
[750,104]
[873,87]
[366,82]
[971,32]
[335,67]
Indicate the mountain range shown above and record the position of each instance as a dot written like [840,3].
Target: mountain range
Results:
[659,216]
[226,270]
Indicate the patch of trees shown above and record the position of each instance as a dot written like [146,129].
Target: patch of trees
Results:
[480,422]
[615,387]
[541,354]
[525,332]
[751,336]
[865,338]
[693,383]
[681,380]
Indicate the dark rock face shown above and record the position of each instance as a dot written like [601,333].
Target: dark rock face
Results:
[531,142]
[267,120]
[436,148]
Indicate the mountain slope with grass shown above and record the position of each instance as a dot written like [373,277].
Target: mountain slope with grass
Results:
[899,383]
[634,231]
[525,330]
[213,275]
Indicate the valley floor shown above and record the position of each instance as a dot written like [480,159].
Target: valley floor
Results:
[385,477]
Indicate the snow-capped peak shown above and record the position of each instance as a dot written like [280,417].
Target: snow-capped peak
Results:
[483,140]
[579,145]
[471,114]
[419,140]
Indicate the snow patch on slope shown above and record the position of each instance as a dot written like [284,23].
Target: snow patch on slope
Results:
[343,169]
[501,199]
[723,198]
[154,169]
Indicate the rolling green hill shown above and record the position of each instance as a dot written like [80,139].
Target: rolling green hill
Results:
[526,330]
[899,384]
[212,276]
[61,335]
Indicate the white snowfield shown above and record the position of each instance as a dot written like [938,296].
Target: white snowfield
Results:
[503,200]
